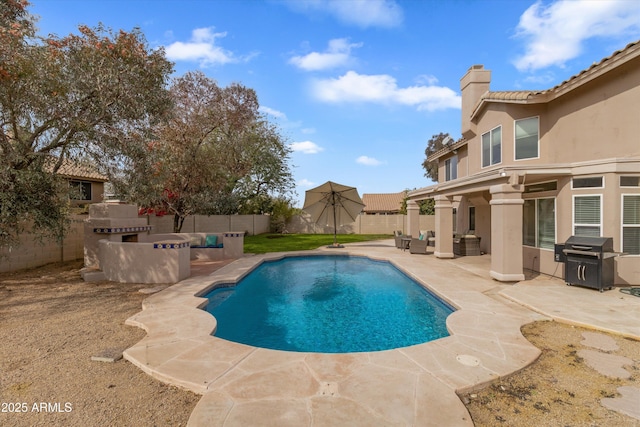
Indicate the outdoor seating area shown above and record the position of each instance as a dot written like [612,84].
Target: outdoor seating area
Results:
[466,245]
[418,245]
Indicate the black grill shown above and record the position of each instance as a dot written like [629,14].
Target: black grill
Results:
[589,262]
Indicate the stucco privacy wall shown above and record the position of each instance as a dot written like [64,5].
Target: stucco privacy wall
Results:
[32,253]
[253,224]
[364,224]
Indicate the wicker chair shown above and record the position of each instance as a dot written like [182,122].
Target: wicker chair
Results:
[418,246]
[398,236]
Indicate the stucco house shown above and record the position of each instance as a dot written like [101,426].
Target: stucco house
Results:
[535,167]
[85,181]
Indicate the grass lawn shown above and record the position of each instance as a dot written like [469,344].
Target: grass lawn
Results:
[264,243]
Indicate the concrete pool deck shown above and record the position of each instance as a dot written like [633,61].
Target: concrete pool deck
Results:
[243,385]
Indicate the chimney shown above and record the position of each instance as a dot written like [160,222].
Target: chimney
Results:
[473,85]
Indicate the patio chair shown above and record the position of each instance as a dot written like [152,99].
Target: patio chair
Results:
[418,246]
[431,238]
[398,236]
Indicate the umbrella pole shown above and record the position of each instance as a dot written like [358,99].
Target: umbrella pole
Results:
[335,225]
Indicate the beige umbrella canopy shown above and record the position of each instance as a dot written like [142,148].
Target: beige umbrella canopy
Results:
[333,204]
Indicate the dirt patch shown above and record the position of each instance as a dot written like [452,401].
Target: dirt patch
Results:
[51,324]
[559,389]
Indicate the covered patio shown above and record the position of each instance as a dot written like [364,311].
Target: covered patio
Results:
[490,206]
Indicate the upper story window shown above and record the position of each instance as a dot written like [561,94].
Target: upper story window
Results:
[80,190]
[451,168]
[492,147]
[527,138]
[589,182]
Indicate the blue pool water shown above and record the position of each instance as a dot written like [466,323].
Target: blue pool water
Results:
[328,304]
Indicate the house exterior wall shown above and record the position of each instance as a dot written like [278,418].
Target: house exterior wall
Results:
[589,126]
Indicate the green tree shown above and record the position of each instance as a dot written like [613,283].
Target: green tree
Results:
[66,97]
[281,211]
[213,153]
[427,206]
[435,144]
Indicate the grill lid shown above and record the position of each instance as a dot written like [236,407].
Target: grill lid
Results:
[592,244]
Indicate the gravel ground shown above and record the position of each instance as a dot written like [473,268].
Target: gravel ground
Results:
[559,389]
[51,324]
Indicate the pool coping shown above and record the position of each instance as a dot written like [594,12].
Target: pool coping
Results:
[416,385]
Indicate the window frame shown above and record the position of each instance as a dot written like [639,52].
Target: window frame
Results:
[573,213]
[536,222]
[490,133]
[515,141]
[545,190]
[81,183]
[449,171]
[588,176]
[622,224]
[628,186]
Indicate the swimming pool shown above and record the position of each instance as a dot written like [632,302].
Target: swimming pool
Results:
[328,304]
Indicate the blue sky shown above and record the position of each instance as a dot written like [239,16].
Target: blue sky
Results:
[358,87]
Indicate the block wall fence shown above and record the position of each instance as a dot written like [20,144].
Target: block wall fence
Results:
[32,254]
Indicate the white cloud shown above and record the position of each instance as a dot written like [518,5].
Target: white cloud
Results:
[272,112]
[305,183]
[337,54]
[427,79]
[555,32]
[382,88]
[202,48]
[368,161]
[362,13]
[306,147]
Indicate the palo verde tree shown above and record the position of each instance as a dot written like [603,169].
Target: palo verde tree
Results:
[66,97]
[436,143]
[211,153]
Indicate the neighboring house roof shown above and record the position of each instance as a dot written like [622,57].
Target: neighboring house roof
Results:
[383,202]
[78,170]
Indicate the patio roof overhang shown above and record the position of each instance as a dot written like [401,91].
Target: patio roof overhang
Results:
[520,175]
[484,180]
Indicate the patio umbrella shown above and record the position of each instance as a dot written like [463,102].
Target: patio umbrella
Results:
[333,204]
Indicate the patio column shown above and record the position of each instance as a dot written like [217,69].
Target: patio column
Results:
[413,219]
[506,232]
[444,227]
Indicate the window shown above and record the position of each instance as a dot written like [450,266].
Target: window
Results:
[539,223]
[527,138]
[451,168]
[587,215]
[543,186]
[472,219]
[631,224]
[589,182]
[630,181]
[80,190]
[492,147]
